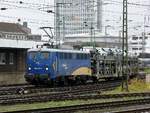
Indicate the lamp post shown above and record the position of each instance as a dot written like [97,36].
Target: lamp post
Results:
[92,39]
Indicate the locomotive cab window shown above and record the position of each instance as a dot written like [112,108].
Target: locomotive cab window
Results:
[44,55]
[32,55]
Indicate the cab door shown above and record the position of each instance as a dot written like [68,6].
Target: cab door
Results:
[54,65]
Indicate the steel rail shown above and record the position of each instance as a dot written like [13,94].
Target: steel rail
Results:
[32,89]
[85,107]
[42,97]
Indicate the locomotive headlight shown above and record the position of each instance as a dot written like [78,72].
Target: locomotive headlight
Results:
[46,68]
[29,68]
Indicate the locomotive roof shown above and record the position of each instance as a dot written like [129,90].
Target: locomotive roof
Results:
[57,50]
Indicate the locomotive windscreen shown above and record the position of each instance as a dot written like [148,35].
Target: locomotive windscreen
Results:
[38,55]
[32,55]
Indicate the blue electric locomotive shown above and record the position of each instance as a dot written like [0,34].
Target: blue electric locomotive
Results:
[46,65]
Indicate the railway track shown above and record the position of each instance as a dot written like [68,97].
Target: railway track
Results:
[65,96]
[13,86]
[87,107]
[73,95]
[12,90]
[133,109]
[60,95]
[83,92]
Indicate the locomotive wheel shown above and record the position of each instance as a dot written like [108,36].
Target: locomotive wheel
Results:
[63,81]
[78,80]
[52,83]
[66,82]
[83,79]
[91,79]
[95,80]
[35,82]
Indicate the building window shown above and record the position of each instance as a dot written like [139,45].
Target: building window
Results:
[143,43]
[134,48]
[11,58]
[134,38]
[146,37]
[2,58]
[134,43]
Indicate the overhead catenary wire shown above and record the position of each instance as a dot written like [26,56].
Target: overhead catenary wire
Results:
[27,19]
[45,5]
[25,3]
[106,11]
[50,6]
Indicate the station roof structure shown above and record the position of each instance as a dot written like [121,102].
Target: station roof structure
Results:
[15,35]
[14,28]
[20,44]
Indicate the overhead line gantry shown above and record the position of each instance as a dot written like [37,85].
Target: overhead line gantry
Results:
[125,46]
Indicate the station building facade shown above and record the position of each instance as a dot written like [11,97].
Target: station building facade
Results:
[77,16]
[139,44]
[15,39]
[99,39]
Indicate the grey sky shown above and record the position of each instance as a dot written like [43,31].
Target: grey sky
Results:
[135,17]
[32,12]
